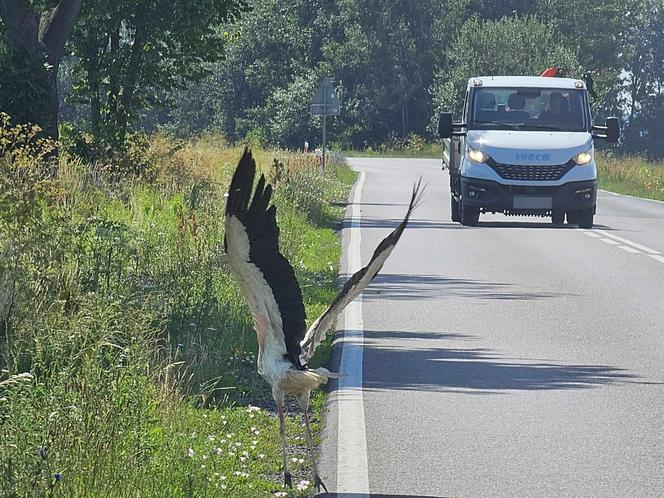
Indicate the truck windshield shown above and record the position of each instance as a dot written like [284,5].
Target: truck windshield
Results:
[535,109]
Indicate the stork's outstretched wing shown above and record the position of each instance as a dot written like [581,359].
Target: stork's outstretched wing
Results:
[356,284]
[265,276]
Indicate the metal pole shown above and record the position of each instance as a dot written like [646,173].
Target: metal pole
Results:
[324,140]
[324,127]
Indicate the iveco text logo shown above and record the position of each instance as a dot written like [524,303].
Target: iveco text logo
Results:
[532,156]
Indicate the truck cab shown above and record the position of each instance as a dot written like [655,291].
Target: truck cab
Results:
[524,147]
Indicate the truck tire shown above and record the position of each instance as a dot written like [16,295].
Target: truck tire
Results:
[586,218]
[456,209]
[573,217]
[557,217]
[469,215]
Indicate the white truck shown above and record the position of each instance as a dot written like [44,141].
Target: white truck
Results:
[524,147]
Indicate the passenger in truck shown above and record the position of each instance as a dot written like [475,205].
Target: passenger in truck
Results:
[515,109]
[557,113]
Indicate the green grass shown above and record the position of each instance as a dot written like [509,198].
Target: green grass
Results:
[631,175]
[126,350]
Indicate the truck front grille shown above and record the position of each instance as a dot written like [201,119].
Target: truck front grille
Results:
[530,172]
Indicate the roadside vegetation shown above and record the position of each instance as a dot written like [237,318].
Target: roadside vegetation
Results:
[127,355]
[631,175]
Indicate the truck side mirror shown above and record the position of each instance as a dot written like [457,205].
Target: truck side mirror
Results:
[445,125]
[612,130]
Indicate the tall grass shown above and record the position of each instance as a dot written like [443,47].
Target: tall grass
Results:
[126,351]
[412,145]
[631,175]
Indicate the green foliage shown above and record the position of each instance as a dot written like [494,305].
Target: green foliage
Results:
[120,323]
[515,45]
[643,61]
[132,54]
[193,67]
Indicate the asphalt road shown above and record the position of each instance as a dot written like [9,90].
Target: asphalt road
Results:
[515,358]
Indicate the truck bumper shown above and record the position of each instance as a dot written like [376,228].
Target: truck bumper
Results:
[494,197]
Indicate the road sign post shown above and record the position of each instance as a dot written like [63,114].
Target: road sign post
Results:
[325,103]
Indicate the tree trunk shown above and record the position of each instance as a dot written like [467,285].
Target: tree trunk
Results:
[126,101]
[38,36]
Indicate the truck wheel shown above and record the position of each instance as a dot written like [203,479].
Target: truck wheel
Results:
[455,208]
[586,218]
[469,215]
[572,217]
[557,217]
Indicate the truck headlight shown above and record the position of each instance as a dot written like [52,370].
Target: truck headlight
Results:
[584,157]
[477,155]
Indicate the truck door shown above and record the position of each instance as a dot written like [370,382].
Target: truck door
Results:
[458,145]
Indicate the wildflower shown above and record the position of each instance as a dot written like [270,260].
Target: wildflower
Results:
[303,485]
[191,453]
[57,476]
[219,451]
[42,452]
[280,493]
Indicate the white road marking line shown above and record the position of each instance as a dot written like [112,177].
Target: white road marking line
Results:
[657,257]
[630,249]
[352,462]
[630,243]
[593,234]
[610,242]
[631,196]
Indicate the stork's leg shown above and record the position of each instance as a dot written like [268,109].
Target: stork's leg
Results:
[317,480]
[288,480]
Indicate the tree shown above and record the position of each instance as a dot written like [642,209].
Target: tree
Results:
[511,45]
[36,35]
[642,98]
[384,57]
[134,54]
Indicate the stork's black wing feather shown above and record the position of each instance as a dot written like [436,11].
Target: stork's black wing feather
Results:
[260,224]
[357,283]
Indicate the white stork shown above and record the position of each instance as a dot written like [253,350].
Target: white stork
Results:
[268,282]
